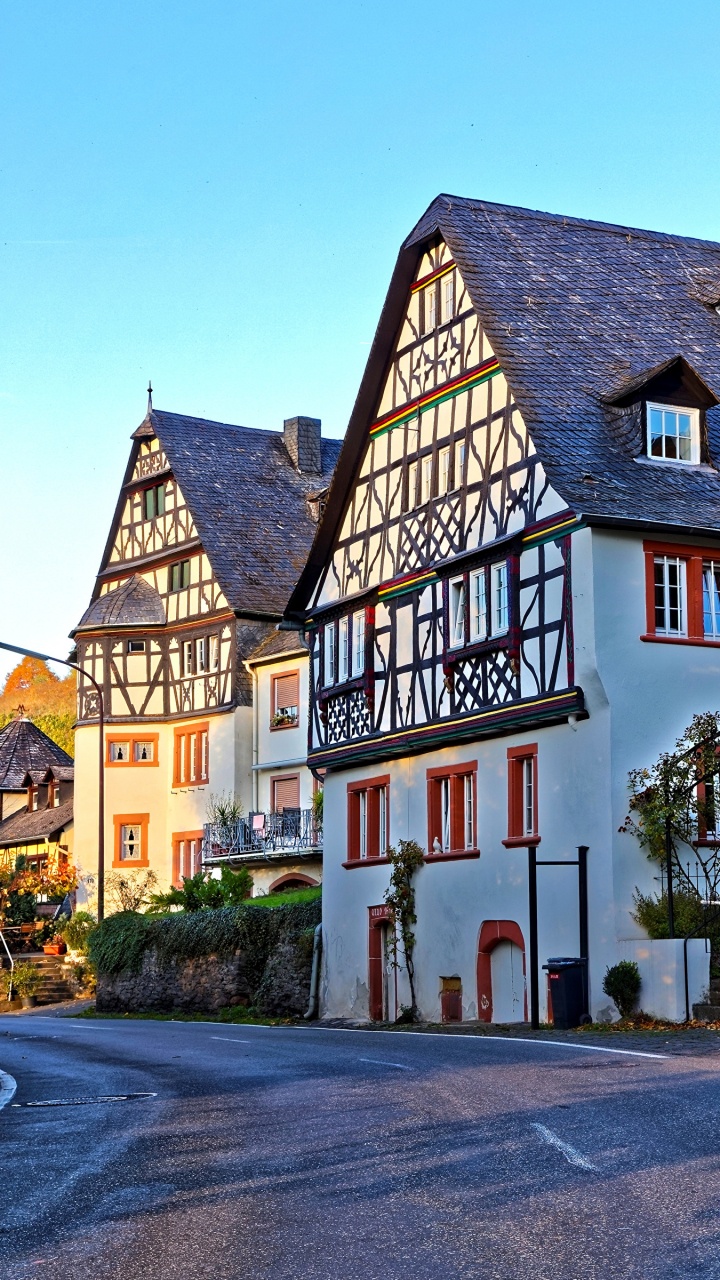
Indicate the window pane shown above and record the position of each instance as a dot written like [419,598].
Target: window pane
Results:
[445,801]
[448,295]
[144,752]
[457,613]
[528,796]
[214,653]
[382,803]
[459,476]
[499,580]
[149,504]
[444,478]
[160,499]
[358,643]
[412,483]
[669,595]
[329,636]
[427,478]
[478,606]
[469,816]
[711,598]
[430,298]
[363,823]
[344,654]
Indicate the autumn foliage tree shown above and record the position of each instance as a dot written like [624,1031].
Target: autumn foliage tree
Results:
[46,700]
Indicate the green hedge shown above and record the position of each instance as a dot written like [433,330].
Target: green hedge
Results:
[120,942]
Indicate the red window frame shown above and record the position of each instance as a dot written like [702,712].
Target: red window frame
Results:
[456,775]
[693,557]
[517,758]
[372,787]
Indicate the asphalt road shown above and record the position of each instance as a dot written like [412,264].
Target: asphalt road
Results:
[314,1154]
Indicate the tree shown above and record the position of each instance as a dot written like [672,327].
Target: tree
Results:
[203,892]
[45,699]
[675,799]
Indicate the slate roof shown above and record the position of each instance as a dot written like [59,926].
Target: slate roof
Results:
[248,502]
[24,747]
[26,828]
[574,310]
[279,644]
[134,604]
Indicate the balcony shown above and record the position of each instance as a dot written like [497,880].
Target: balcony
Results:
[262,837]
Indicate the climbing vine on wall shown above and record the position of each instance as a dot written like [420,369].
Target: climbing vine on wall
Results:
[400,898]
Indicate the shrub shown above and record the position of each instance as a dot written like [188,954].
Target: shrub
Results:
[77,930]
[622,984]
[203,892]
[26,979]
[121,941]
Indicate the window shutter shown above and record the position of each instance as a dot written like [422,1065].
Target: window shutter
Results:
[286,794]
[287,693]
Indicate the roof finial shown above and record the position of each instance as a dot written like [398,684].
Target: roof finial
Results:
[149,396]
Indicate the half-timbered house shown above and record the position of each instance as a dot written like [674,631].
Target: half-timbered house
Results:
[512,599]
[211,529]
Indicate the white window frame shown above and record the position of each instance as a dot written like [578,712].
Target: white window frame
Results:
[469,809]
[412,485]
[445,809]
[667,412]
[343,650]
[459,464]
[358,643]
[363,831]
[528,795]
[329,654]
[131,835]
[668,562]
[447,288]
[456,613]
[444,471]
[136,646]
[201,654]
[426,477]
[114,758]
[214,651]
[149,745]
[711,595]
[188,658]
[499,599]
[478,605]
[430,307]
[382,821]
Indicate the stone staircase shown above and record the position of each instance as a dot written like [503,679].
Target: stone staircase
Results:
[709,1011]
[55,987]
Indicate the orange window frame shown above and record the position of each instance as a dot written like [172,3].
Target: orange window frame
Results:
[183,746]
[131,739]
[141,820]
[373,787]
[456,775]
[178,838]
[693,559]
[517,757]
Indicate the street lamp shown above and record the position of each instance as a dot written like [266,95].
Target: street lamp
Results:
[46,657]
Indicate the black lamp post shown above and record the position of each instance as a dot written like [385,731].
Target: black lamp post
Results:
[46,657]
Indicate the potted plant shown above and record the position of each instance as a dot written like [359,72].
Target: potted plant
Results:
[26,980]
[55,946]
[8,988]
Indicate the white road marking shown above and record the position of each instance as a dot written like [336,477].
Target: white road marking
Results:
[378,1062]
[231,1039]
[8,1085]
[571,1155]
[483,1039]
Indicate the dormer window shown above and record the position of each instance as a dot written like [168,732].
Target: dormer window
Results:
[673,434]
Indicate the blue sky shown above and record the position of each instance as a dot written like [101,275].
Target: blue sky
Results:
[212,194]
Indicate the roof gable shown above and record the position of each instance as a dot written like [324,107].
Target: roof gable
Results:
[249,503]
[572,309]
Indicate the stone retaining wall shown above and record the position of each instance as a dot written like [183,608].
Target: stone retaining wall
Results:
[208,983]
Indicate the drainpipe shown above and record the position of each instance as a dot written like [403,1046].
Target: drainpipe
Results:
[315,974]
[255,734]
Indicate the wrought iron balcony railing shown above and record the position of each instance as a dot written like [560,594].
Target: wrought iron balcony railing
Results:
[262,835]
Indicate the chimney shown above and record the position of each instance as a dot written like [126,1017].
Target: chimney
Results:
[302,441]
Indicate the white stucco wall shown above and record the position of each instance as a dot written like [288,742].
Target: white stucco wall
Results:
[639,697]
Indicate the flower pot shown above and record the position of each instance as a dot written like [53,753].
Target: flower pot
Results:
[54,948]
[29,1002]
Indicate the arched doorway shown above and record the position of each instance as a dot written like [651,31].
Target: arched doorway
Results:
[502,992]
